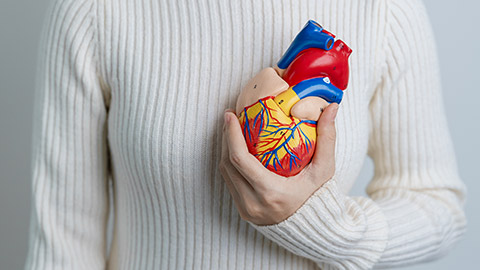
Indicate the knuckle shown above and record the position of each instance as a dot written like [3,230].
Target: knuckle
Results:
[331,136]
[243,215]
[253,211]
[246,217]
[241,212]
[222,167]
[275,202]
[235,158]
[270,198]
[328,133]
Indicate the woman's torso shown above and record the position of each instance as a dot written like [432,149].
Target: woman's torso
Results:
[173,67]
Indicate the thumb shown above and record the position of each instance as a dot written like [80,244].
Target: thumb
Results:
[323,160]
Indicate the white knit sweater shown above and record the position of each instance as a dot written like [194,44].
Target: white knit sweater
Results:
[134,91]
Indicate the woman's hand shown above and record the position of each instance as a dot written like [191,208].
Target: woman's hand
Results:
[263,197]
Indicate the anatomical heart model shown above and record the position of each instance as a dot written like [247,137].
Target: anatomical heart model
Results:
[314,65]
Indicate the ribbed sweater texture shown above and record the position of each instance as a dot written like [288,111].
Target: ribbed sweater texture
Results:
[132,93]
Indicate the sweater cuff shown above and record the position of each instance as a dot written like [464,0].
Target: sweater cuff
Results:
[333,230]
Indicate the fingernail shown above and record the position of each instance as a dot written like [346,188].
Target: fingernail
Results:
[335,110]
[226,117]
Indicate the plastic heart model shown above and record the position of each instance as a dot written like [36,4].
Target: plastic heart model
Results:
[314,65]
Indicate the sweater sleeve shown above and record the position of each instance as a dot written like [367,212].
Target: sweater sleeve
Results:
[414,210]
[70,157]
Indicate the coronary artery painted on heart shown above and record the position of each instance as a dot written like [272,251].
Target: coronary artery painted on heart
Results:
[315,65]
[277,140]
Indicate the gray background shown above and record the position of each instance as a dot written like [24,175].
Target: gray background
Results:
[455,25]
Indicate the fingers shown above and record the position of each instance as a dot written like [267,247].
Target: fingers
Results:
[309,108]
[230,173]
[225,168]
[233,180]
[239,156]
[323,161]
[239,188]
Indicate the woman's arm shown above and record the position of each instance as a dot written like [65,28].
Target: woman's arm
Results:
[416,182]
[70,187]
[414,211]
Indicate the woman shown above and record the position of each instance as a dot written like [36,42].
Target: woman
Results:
[135,92]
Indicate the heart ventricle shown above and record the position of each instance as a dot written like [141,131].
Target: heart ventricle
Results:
[283,144]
